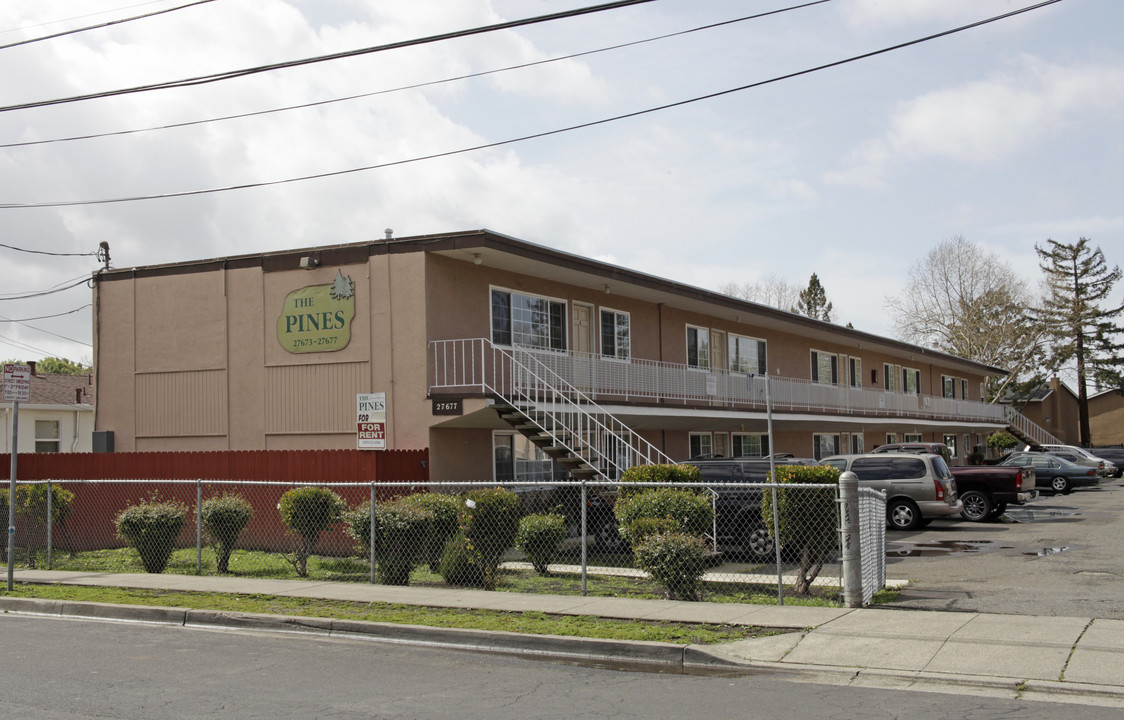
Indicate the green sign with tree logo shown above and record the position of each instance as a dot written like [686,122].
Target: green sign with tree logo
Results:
[318,318]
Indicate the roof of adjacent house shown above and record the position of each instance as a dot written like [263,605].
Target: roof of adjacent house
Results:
[62,390]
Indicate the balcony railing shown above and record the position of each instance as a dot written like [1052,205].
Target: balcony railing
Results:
[470,364]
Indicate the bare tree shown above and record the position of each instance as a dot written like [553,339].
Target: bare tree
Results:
[965,301]
[770,290]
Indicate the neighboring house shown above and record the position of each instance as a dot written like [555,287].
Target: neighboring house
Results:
[506,360]
[1106,418]
[1052,406]
[59,417]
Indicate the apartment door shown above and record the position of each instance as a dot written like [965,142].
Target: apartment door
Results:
[718,366]
[584,347]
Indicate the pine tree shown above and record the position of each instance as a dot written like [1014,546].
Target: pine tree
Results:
[813,301]
[1078,281]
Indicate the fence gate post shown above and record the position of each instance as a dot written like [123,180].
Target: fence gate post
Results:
[585,514]
[50,521]
[849,539]
[372,538]
[198,526]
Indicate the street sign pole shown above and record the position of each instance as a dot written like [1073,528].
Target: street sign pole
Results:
[12,493]
[17,387]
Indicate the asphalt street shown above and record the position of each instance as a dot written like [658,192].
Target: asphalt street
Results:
[1057,556]
[57,668]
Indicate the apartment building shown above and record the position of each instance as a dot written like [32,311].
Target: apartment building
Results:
[506,359]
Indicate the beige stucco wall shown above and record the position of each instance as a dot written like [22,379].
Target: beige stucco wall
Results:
[1106,419]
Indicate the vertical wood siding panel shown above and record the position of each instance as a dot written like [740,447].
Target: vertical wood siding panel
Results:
[313,398]
[181,404]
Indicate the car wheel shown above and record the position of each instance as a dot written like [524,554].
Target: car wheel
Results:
[903,515]
[608,539]
[1061,485]
[977,506]
[759,544]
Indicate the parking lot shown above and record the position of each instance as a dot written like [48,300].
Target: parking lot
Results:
[1057,556]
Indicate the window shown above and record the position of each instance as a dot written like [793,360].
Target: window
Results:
[751,445]
[825,368]
[747,355]
[890,377]
[698,347]
[857,443]
[517,460]
[700,445]
[46,436]
[911,381]
[948,387]
[963,389]
[912,437]
[950,440]
[527,320]
[825,445]
[906,468]
[855,370]
[891,438]
[616,340]
[872,468]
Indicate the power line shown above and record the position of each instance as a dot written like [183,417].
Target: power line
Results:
[56,289]
[546,133]
[415,86]
[47,332]
[45,317]
[75,31]
[80,17]
[231,74]
[44,252]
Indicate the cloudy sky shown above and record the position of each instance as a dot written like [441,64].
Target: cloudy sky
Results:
[1007,134]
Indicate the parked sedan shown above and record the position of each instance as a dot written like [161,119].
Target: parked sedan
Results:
[1054,473]
[1113,455]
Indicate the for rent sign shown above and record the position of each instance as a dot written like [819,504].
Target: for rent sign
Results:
[370,417]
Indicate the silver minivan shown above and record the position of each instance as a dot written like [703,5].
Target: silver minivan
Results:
[918,488]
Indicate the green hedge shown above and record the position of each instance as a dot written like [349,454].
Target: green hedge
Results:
[540,538]
[808,518]
[674,560]
[309,511]
[656,473]
[489,520]
[445,509]
[691,512]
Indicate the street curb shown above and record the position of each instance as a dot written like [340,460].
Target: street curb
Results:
[624,654]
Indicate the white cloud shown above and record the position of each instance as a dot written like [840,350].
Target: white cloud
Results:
[988,121]
[888,13]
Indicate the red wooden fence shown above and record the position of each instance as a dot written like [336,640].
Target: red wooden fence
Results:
[91,525]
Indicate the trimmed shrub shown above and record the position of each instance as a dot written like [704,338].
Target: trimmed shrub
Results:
[539,538]
[224,518]
[656,473]
[643,528]
[31,505]
[152,527]
[307,512]
[489,519]
[1001,442]
[445,509]
[461,564]
[808,518]
[674,560]
[402,531]
[691,512]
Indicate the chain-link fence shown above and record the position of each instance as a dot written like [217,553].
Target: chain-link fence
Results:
[620,539]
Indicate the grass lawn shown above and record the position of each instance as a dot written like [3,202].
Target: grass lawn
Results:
[255,564]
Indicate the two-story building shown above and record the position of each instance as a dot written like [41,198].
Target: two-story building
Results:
[59,417]
[505,359]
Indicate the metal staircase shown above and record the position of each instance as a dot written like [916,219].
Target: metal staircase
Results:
[1027,431]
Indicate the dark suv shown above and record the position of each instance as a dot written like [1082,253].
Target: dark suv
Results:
[738,524]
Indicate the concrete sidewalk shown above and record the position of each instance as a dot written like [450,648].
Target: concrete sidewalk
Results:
[1061,659]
